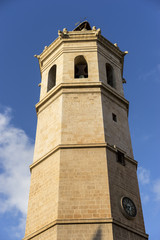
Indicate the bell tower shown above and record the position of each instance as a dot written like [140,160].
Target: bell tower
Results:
[84,176]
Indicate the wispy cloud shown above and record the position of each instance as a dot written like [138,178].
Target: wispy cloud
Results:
[16,151]
[149,186]
[146,137]
[156,189]
[143,175]
[152,75]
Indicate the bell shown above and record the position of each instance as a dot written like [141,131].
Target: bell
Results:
[81,76]
[81,71]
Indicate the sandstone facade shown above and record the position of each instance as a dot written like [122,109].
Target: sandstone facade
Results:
[76,181]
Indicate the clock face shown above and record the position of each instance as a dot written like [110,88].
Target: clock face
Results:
[128,207]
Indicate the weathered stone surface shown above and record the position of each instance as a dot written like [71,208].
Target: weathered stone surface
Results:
[76,181]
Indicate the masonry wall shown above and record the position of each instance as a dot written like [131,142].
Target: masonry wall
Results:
[64,57]
[43,197]
[82,119]
[89,50]
[121,233]
[49,234]
[85,232]
[106,56]
[83,184]
[123,182]
[55,58]
[76,182]
[48,134]
[116,133]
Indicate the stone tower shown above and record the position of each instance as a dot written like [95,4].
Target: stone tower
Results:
[83,177]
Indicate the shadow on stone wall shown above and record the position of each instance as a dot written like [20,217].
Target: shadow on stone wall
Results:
[98,234]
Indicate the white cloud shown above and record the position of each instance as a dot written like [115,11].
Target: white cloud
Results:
[153,186]
[143,175]
[16,152]
[20,228]
[156,189]
[146,137]
[152,74]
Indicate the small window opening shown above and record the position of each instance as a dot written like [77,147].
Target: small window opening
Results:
[109,75]
[51,78]
[120,158]
[114,117]
[81,67]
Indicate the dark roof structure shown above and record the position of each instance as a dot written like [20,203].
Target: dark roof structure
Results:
[83,26]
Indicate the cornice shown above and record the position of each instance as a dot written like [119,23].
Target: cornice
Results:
[115,94]
[130,229]
[67,146]
[84,221]
[81,85]
[67,221]
[76,146]
[107,44]
[71,37]
[114,148]
[45,64]
[74,36]
[110,58]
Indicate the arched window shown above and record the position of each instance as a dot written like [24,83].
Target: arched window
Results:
[51,78]
[80,67]
[109,75]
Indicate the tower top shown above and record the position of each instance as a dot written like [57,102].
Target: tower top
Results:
[83,26]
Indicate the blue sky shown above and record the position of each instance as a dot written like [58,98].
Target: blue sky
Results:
[26,26]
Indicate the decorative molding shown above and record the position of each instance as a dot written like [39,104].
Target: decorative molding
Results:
[115,222]
[61,86]
[84,221]
[74,36]
[106,43]
[67,146]
[87,145]
[62,50]
[110,58]
[115,149]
